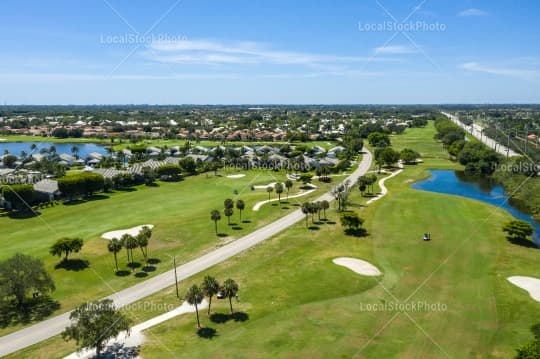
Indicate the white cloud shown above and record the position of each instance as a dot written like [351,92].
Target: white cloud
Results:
[394,50]
[472,12]
[501,71]
[220,53]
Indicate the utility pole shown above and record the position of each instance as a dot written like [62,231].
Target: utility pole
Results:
[176,278]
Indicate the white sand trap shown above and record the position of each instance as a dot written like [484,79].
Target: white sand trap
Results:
[240,175]
[271,184]
[258,205]
[119,233]
[358,266]
[530,284]
[136,336]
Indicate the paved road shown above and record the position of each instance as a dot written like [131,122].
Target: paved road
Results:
[476,131]
[54,326]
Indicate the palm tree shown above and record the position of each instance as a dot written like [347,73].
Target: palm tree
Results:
[240,205]
[228,212]
[269,189]
[279,190]
[288,184]
[195,296]
[129,242]
[312,209]
[228,203]
[319,208]
[210,287]
[114,246]
[143,238]
[325,205]
[305,210]
[215,216]
[230,289]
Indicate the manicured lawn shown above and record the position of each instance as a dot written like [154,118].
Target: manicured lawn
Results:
[181,215]
[299,304]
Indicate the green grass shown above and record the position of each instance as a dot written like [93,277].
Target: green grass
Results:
[181,215]
[302,305]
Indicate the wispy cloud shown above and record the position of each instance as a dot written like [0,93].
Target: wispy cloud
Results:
[395,50]
[472,12]
[502,71]
[220,53]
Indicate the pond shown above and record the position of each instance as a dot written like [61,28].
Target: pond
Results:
[457,183]
[15,148]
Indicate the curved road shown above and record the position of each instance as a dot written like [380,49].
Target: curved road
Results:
[54,326]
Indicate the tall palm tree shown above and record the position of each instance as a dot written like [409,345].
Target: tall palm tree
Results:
[129,242]
[240,205]
[269,189]
[143,238]
[210,287]
[114,246]
[228,213]
[288,184]
[305,210]
[325,205]
[230,289]
[279,191]
[215,216]
[195,296]
[228,203]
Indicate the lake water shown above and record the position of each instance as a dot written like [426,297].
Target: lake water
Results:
[457,183]
[15,148]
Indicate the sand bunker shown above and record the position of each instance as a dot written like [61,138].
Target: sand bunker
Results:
[358,266]
[240,175]
[530,284]
[119,233]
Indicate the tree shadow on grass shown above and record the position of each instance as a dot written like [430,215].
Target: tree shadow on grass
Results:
[134,265]
[73,265]
[123,273]
[154,260]
[126,189]
[95,197]
[246,221]
[23,214]
[358,232]
[296,204]
[285,207]
[237,228]
[149,269]
[330,222]
[33,310]
[313,228]
[141,274]
[221,318]
[522,242]
[206,333]
[240,316]
[221,235]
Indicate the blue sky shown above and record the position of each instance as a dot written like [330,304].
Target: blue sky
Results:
[291,52]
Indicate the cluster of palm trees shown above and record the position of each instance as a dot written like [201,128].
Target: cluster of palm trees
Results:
[228,210]
[210,287]
[315,208]
[280,188]
[130,243]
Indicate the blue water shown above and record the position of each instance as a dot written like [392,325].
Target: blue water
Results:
[452,182]
[15,148]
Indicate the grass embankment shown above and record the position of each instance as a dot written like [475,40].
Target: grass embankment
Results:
[300,304]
